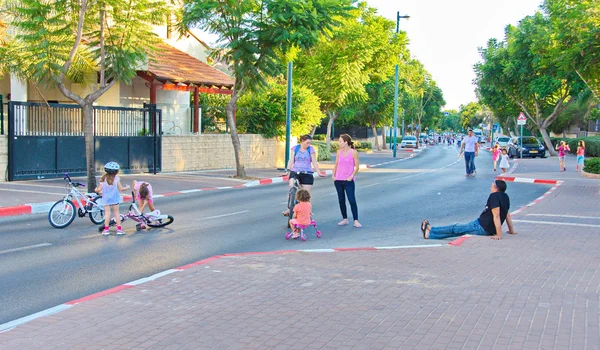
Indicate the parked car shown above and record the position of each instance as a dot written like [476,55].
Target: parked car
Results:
[532,147]
[503,142]
[408,141]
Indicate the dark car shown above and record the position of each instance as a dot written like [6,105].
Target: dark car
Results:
[532,147]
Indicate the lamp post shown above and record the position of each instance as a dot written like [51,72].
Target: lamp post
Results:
[396,91]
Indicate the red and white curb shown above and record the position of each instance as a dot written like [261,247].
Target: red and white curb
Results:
[43,208]
[528,180]
[537,200]
[62,307]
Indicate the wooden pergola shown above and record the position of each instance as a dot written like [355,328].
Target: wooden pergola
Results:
[173,70]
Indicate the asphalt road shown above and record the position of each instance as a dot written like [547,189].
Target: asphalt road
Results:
[41,267]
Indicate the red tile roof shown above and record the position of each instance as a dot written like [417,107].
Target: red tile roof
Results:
[172,65]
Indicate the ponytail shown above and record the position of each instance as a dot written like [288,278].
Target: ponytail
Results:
[144,190]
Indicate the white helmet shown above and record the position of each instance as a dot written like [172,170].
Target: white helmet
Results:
[111,167]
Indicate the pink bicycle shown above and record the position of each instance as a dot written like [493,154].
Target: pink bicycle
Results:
[302,227]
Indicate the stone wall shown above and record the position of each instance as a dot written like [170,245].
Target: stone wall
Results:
[3,157]
[208,151]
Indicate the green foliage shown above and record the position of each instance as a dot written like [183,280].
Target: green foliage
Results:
[252,33]
[592,145]
[389,139]
[450,122]
[470,115]
[360,146]
[322,150]
[264,112]
[591,165]
[319,137]
[214,114]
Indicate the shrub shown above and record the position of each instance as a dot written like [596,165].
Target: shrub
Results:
[592,145]
[334,146]
[388,139]
[319,137]
[363,146]
[592,165]
[322,151]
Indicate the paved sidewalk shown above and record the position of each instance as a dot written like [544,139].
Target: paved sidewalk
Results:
[26,197]
[539,289]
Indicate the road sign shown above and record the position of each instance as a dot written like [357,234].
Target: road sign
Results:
[522,119]
[447,114]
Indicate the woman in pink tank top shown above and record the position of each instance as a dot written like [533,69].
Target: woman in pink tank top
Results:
[346,167]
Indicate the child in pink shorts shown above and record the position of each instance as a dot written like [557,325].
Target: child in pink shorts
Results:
[143,194]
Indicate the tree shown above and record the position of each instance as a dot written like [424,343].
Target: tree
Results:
[378,109]
[56,41]
[526,70]
[451,122]
[470,115]
[263,112]
[252,36]
[362,50]
[577,27]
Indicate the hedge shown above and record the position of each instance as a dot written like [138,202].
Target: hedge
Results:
[319,137]
[592,145]
[591,165]
[359,146]
[388,139]
[322,151]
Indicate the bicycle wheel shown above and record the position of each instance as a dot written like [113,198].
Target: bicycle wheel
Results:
[291,204]
[161,222]
[61,214]
[97,211]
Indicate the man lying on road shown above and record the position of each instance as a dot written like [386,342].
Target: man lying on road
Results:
[489,222]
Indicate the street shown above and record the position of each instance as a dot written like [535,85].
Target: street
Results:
[41,267]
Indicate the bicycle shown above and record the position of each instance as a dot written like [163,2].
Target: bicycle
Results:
[174,129]
[62,213]
[154,219]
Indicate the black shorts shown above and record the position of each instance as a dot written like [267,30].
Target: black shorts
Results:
[304,179]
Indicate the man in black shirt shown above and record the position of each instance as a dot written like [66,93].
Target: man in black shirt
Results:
[489,222]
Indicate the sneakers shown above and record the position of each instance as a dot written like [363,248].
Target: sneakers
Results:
[120,232]
[106,232]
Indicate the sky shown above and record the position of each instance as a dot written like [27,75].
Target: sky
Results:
[445,35]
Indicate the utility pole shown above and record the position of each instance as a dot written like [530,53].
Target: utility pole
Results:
[396,92]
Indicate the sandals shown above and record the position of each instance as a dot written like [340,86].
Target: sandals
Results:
[357,225]
[343,223]
[424,226]
[285,213]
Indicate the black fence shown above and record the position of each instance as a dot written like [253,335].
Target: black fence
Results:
[47,140]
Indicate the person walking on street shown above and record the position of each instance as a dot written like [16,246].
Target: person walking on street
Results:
[302,161]
[495,155]
[504,162]
[345,169]
[489,222]
[470,149]
[580,155]
[562,149]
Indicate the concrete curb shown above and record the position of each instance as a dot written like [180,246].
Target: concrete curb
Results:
[43,208]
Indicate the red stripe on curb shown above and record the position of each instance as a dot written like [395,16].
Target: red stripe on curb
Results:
[99,294]
[201,262]
[209,189]
[169,194]
[352,249]
[457,242]
[549,182]
[239,186]
[286,178]
[506,178]
[265,181]
[276,252]
[16,210]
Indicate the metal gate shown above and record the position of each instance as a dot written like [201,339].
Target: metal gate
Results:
[46,140]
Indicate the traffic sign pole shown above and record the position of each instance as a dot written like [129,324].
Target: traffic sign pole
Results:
[521,120]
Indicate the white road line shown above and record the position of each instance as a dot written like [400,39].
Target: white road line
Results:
[412,246]
[25,191]
[190,191]
[222,216]
[371,185]
[34,185]
[556,223]
[53,310]
[24,248]
[567,216]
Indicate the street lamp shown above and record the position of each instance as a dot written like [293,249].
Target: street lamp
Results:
[396,91]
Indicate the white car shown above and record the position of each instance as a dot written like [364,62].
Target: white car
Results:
[503,142]
[408,141]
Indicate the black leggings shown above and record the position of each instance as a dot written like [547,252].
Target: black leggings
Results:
[349,187]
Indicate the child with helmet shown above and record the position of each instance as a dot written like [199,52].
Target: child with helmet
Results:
[110,186]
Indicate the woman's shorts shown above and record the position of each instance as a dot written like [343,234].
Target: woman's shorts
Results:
[304,179]
[580,159]
[561,158]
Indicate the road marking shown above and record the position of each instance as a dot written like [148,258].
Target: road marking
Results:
[24,248]
[25,191]
[566,216]
[556,223]
[371,185]
[412,246]
[35,185]
[222,216]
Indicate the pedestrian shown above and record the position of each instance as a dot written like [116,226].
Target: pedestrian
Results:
[495,155]
[504,161]
[580,155]
[470,148]
[142,191]
[303,159]
[302,212]
[345,169]
[562,149]
[110,186]
[489,222]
